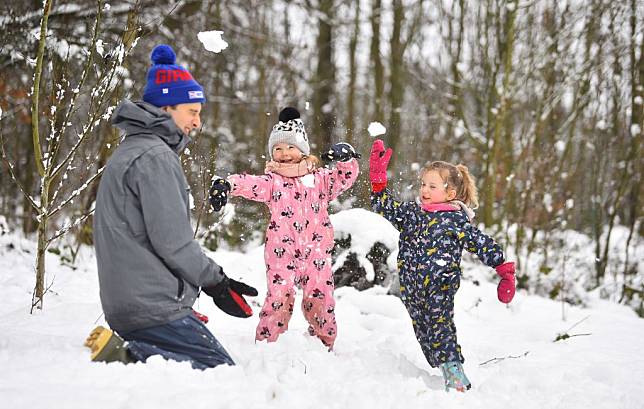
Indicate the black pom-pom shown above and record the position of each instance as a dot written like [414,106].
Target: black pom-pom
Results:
[289,113]
[163,54]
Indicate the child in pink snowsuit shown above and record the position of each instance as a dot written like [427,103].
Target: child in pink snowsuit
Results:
[299,239]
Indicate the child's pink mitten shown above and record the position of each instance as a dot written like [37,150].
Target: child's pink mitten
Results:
[506,288]
[378,162]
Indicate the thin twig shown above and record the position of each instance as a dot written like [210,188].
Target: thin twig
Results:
[476,304]
[75,95]
[77,192]
[13,175]
[303,364]
[73,224]
[578,322]
[35,302]
[564,336]
[99,317]
[495,360]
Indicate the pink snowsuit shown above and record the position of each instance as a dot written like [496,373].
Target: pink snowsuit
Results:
[299,241]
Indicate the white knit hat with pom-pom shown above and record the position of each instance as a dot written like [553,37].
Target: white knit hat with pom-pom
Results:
[289,130]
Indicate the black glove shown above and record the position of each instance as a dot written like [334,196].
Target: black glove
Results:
[228,296]
[342,152]
[219,194]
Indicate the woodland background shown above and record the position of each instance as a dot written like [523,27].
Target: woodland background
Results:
[542,100]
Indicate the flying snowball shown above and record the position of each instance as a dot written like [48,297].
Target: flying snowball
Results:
[212,40]
[376,128]
[308,180]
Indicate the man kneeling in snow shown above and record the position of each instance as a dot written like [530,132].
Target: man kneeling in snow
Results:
[150,267]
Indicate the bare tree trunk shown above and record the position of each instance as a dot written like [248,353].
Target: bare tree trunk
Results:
[378,70]
[397,72]
[637,118]
[325,76]
[455,44]
[353,74]
[215,18]
[498,116]
[501,123]
[632,204]
[39,291]
[263,89]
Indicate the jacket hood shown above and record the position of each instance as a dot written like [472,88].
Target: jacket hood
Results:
[143,118]
[468,210]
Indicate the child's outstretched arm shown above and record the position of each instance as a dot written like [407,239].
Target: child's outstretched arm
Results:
[254,187]
[345,173]
[381,200]
[483,246]
[490,253]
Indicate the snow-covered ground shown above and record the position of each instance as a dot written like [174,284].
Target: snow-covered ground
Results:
[376,362]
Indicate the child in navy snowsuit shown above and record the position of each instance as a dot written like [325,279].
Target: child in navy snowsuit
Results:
[433,234]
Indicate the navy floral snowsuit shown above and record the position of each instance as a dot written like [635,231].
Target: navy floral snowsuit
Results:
[429,257]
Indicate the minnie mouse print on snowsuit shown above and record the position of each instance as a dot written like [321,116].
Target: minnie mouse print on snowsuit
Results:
[299,238]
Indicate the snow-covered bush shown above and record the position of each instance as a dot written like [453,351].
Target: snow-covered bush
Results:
[561,265]
[366,247]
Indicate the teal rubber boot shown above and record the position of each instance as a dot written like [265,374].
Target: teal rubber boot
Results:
[455,377]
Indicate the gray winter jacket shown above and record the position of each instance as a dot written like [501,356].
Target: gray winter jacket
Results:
[149,265]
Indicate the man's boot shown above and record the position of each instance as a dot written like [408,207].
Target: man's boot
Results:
[106,346]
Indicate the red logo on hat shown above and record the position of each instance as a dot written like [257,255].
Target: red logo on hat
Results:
[163,76]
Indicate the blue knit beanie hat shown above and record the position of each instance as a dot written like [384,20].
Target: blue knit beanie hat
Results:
[170,84]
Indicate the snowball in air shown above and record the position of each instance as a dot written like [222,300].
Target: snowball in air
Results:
[212,40]
[376,128]
[308,180]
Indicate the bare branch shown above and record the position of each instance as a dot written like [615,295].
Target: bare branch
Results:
[578,322]
[561,337]
[70,226]
[13,175]
[86,70]
[76,192]
[92,122]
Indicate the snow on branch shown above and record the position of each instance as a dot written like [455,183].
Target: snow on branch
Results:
[76,222]
[76,192]
[72,103]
